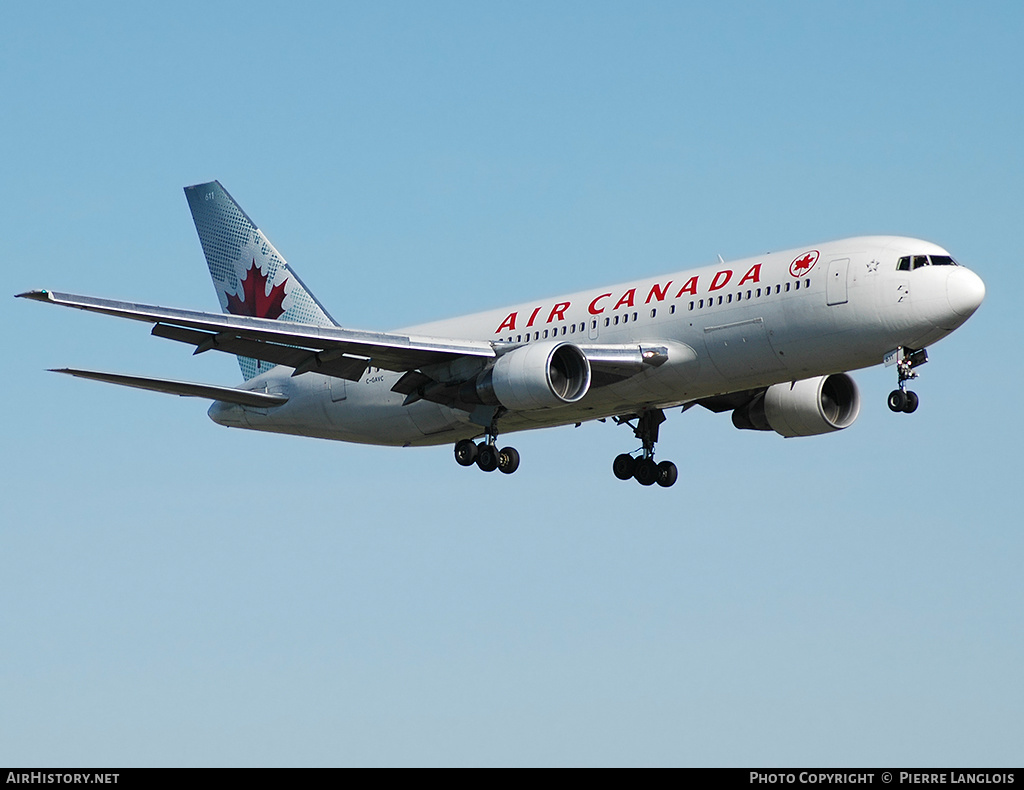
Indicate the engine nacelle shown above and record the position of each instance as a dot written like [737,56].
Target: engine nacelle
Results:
[803,408]
[536,376]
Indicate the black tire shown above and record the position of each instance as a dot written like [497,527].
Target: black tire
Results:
[623,466]
[646,473]
[897,400]
[508,460]
[667,474]
[486,457]
[912,403]
[465,452]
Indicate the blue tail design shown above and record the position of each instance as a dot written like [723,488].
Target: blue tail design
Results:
[249,275]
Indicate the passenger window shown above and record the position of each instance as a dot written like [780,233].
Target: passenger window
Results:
[719,299]
[778,288]
[654,312]
[691,305]
[607,321]
[807,283]
[787,287]
[759,292]
[672,310]
[634,316]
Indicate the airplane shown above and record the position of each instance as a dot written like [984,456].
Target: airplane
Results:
[770,338]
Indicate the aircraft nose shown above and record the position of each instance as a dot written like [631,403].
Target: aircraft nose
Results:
[965,291]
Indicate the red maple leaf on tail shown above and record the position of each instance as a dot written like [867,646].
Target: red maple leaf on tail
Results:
[255,301]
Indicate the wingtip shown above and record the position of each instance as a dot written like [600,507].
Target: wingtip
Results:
[40,295]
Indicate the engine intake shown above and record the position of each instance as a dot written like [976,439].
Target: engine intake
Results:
[803,408]
[537,376]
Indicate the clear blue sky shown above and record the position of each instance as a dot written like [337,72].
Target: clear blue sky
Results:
[176,593]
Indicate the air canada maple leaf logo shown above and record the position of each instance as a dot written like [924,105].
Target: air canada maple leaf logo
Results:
[803,264]
[255,301]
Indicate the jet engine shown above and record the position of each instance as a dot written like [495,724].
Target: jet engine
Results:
[535,376]
[802,408]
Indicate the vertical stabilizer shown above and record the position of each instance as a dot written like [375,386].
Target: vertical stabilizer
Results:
[250,276]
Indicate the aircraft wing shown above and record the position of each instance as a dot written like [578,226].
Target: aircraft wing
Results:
[332,351]
[328,350]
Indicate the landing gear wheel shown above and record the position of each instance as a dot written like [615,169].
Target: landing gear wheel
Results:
[623,466]
[907,360]
[646,472]
[486,457]
[508,460]
[465,452]
[898,400]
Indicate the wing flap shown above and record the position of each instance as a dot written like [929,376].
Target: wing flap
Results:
[343,367]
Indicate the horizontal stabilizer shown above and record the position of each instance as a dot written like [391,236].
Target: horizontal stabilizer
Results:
[184,388]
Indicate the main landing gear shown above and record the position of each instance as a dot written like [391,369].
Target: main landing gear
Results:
[486,454]
[644,469]
[902,399]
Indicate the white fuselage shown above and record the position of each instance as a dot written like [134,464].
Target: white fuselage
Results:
[728,327]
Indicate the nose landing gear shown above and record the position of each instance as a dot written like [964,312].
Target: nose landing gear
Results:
[905,359]
[644,469]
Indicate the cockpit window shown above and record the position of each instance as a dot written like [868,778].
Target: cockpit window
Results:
[908,262]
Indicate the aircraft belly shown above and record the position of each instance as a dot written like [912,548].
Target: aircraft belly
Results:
[373,414]
[432,418]
[368,413]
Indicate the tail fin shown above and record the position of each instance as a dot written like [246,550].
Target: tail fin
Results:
[250,276]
